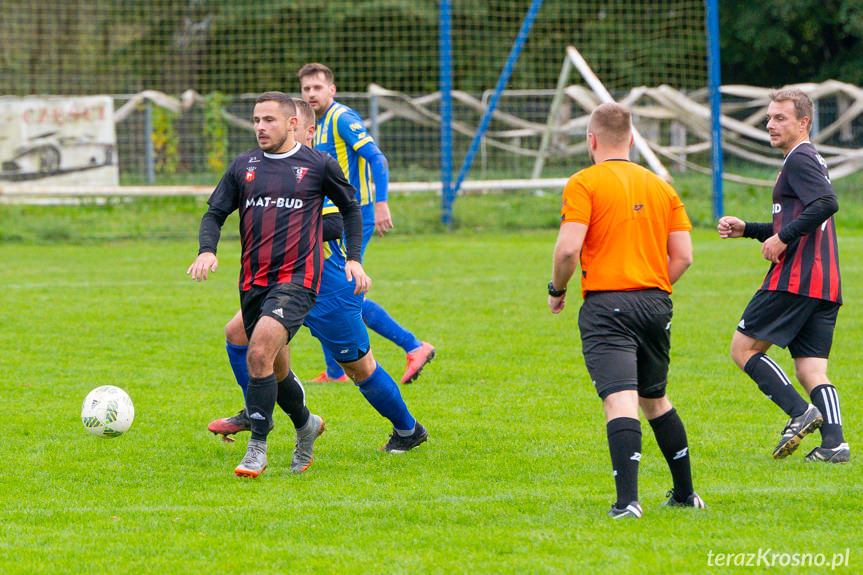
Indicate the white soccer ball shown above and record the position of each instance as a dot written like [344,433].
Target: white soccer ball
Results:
[107,411]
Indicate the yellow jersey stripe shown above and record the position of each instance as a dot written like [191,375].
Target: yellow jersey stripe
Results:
[341,148]
[362,143]
[365,191]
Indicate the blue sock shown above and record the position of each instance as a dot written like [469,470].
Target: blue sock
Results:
[237,358]
[381,391]
[382,323]
[334,370]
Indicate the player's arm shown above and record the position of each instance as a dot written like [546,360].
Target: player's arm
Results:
[679,254]
[807,179]
[734,227]
[813,215]
[381,176]
[222,202]
[351,130]
[342,194]
[567,249]
[333,227]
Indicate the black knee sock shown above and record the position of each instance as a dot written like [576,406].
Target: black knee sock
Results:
[773,383]
[671,438]
[624,443]
[260,401]
[825,398]
[292,400]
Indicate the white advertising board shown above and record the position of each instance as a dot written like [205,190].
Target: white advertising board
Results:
[58,141]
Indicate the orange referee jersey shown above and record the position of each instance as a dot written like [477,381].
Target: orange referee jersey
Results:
[629,212]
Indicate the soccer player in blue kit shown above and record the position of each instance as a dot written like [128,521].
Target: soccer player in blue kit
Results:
[341,133]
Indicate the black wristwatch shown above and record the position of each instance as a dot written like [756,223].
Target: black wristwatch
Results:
[555,292]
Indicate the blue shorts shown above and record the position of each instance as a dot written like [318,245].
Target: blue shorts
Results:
[336,319]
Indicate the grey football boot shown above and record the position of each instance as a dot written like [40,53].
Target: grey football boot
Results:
[255,461]
[306,436]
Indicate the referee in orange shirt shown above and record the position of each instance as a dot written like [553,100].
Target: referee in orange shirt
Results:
[631,232]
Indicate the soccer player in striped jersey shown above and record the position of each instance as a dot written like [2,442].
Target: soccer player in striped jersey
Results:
[279,189]
[336,321]
[341,133]
[797,304]
[236,341]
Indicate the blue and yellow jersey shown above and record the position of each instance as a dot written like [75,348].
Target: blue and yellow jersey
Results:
[341,134]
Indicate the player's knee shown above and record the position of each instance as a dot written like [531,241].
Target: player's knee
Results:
[810,376]
[655,407]
[361,369]
[235,332]
[740,353]
[260,362]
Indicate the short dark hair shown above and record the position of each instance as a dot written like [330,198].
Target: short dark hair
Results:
[803,106]
[305,112]
[316,68]
[611,123]
[286,103]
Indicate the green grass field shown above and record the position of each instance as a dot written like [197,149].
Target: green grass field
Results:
[515,477]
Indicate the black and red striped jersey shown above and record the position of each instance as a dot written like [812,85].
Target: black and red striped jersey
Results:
[280,197]
[810,264]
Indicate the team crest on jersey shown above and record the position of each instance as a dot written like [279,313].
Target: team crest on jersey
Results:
[299,173]
[250,174]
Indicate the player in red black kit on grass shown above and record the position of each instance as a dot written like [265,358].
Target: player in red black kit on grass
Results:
[279,189]
[797,304]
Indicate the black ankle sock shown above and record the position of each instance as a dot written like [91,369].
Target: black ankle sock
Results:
[260,401]
[671,438]
[825,398]
[624,444]
[292,400]
[773,383]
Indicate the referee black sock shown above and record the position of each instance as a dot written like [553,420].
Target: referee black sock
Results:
[671,438]
[292,400]
[624,443]
[825,398]
[260,401]
[773,383]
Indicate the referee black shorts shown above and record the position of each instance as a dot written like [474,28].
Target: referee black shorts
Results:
[802,324]
[287,303]
[625,339]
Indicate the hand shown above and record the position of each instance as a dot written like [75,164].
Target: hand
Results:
[205,262]
[383,219]
[730,227]
[556,304]
[354,271]
[773,248]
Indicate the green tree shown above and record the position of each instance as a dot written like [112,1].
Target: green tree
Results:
[776,42]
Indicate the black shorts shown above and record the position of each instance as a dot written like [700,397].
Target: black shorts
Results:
[802,324]
[287,303]
[625,339]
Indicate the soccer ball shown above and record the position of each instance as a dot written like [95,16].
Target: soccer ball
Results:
[107,411]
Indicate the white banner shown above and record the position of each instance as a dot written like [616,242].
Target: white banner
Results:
[58,141]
